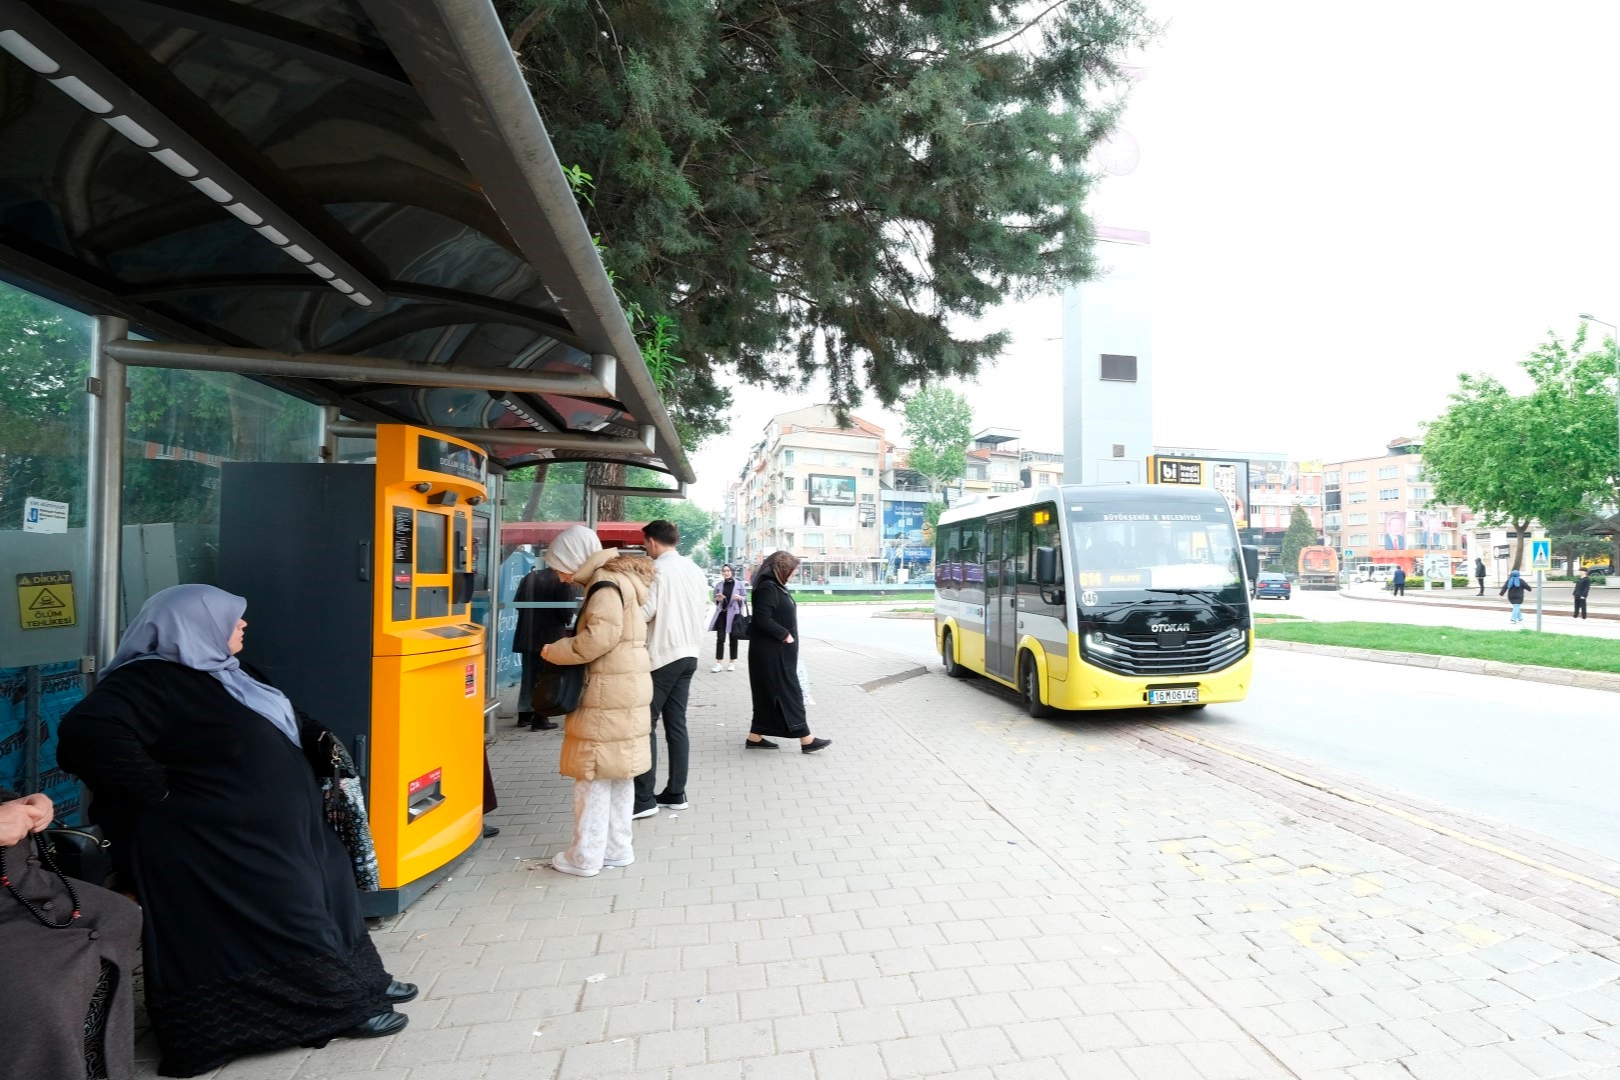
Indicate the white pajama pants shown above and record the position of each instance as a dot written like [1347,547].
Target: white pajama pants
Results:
[602,811]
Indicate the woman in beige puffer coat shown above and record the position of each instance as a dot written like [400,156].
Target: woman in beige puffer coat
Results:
[605,744]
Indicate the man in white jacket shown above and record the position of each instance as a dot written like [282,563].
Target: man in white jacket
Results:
[677,610]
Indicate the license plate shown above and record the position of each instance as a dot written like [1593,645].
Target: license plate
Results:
[1176,695]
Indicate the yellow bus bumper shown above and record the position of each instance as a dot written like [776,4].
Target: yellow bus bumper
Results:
[1089,687]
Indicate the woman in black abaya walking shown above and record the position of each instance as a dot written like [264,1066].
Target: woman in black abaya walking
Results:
[773,660]
[253,937]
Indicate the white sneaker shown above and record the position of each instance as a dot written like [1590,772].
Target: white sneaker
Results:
[651,811]
[732,667]
[616,863]
[559,862]
[715,668]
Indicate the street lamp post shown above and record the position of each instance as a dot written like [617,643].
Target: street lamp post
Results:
[1616,330]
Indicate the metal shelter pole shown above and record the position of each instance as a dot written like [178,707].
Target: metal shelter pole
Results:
[327,451]
[104,516]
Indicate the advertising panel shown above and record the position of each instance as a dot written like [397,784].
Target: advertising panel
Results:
[1395,530]
[903,521]
[1229,477]
[832,490]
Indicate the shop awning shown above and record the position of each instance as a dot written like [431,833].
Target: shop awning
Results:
[354,200]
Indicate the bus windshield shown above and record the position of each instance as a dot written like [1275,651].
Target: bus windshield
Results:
[1181,547]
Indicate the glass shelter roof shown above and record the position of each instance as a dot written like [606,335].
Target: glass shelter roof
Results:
[363,187]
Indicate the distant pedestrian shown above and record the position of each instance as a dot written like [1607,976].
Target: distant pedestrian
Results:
[675,605]
[537,628]
[1479,574]
[1515,589]
[1583,586]
[1400,581]
[773,660]
[730,596]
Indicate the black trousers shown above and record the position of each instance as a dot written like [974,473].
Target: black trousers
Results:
[1400,588]
[1481,586]
[672,685]
[1580,607]
[720,641]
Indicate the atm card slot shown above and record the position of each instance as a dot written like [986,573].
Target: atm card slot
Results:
[429,798]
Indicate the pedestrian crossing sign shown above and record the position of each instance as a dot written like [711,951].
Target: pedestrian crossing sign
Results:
[1541,554]
[45,600]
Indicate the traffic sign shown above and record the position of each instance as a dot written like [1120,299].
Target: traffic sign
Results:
[1541,554]
[1349,553]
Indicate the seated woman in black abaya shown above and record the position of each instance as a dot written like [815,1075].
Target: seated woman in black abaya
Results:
[253,937]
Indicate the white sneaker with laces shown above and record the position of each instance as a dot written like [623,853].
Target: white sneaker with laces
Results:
[715,668]
[616,863]
[731,667]
[560,863]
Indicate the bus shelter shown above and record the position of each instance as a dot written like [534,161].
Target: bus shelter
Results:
[239,232]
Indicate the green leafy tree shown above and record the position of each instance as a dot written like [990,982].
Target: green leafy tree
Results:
[44,358]
[939,425]
[842,183]
[1546,455]
[717,549]
[1301,534]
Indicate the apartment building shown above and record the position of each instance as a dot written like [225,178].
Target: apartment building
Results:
[1039,468]
[993,463]
[1377,509]
[812,488]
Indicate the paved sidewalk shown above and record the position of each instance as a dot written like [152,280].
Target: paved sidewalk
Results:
[953,889]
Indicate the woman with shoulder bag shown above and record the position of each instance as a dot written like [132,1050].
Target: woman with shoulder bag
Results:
[773,660]
[67,953]
[253,939]
[605,745]
[730,618]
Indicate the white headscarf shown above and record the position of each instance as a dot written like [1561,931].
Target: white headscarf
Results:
[192,625]
[572,547]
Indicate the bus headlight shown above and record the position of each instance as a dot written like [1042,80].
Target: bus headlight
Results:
[1095,643]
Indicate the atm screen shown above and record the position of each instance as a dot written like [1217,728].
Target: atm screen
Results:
[432,543]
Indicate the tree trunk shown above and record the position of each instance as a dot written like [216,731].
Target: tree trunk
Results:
[531,506]
[606,474]
[1518,548]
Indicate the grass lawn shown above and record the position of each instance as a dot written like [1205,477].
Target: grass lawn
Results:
[1508,646]
[1262,613]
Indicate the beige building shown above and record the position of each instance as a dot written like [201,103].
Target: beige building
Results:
[812,488]
[1378,510]
[1040,468]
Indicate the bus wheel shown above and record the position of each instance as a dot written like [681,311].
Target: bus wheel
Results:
[1031,685]
[948,655]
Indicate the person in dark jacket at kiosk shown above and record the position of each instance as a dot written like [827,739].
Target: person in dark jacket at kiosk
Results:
[66,989]
[773,660]
[1583,588]
[253,939]
[537,628]
[1399,581]
[1514,589]
[1479,574]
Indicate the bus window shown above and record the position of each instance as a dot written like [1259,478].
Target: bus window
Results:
[1038,528]
[971,577]
[947,540]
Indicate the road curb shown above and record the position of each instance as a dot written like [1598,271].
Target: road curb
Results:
[1585,680]
[1419,598]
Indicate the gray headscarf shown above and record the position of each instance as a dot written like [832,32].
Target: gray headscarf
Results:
[573,546]
[192,625]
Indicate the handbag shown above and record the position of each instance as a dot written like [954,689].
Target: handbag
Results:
[742,623]
[79,851]
[344,804]
[558,687]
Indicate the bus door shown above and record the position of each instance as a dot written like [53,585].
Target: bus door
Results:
[1000,597]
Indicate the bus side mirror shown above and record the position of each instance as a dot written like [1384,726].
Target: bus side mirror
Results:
[1046,566]
[1251,561]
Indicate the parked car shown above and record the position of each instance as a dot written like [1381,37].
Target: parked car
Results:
[921,579]
[1272,585]
[1604,569]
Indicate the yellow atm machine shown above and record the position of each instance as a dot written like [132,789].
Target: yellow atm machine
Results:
[359,582]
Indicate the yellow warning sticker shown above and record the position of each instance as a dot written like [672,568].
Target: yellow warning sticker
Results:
[45,599]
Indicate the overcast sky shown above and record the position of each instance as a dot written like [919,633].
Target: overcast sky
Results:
[1349,204]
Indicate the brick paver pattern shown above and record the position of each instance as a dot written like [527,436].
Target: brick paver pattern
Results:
[954,889]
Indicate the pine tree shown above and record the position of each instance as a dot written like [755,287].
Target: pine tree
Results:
[1301,534]
[832,186]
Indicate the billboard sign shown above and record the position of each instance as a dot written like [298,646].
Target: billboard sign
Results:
[1395,530]
[831,490]
[904,521]
[1228,476]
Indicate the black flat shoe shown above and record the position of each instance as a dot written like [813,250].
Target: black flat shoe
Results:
[399,993]
[379,1026]
[542,724]
[763,744]
[491,830]
[813,745]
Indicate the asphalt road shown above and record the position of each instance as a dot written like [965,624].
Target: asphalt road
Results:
[1528,754]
